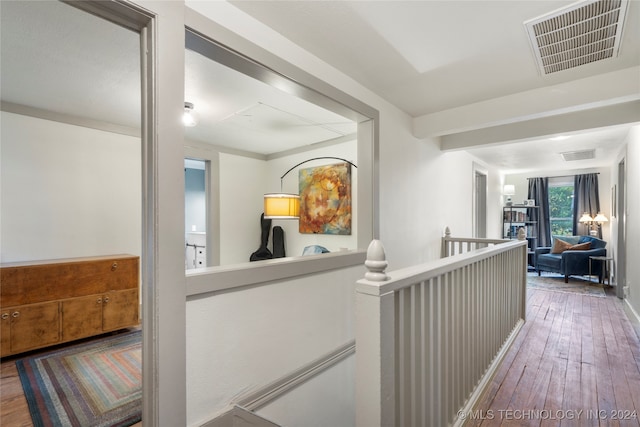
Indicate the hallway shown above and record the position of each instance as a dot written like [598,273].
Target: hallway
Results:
[576,362]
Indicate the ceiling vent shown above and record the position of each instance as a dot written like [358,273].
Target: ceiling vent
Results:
[585,32]
[571,156]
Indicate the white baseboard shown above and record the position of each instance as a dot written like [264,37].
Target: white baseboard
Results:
[633,316]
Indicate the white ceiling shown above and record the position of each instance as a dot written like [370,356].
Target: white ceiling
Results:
[59,59]
[238,111]
[545,154]
[423,56]
[428,56]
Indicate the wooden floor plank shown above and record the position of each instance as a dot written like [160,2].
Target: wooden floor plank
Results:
[589,394]
[511,364]
[578,359]
[604,385]
[555,391]
[13,404]
[572,399]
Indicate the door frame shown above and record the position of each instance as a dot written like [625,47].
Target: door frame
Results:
[162,265]
[479,201]
[621,249]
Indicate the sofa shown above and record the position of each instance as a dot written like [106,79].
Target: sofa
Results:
[569,256]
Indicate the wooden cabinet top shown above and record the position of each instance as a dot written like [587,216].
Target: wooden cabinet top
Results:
[37,281]
[65,260]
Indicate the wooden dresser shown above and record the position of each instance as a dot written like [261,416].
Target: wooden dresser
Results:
[51,302]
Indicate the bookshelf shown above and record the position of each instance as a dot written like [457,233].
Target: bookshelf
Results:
[520,216]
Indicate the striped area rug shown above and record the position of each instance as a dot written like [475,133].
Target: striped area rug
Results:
[555,283]
[93,384]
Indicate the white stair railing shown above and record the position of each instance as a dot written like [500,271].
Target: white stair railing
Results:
[459,245]
[428,337]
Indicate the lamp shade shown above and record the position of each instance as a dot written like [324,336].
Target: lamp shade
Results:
[585,218]
[600,218]
[281,206]
[509,190]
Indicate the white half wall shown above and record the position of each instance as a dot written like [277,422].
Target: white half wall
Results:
[257,335]
[67,191]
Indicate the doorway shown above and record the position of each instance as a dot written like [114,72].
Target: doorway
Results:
[195,214]
[479,202]
[77,143]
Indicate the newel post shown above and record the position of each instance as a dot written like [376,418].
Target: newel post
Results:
[376,262]
[375,343]
[445,242]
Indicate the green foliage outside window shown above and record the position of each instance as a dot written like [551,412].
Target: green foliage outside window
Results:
[561,210]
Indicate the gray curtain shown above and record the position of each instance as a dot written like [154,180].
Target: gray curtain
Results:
[539,191]
[585,199]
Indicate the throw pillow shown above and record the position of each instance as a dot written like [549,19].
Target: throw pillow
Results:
[560,246]
[580,247]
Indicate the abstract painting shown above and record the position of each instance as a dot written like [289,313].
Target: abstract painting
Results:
[325,199]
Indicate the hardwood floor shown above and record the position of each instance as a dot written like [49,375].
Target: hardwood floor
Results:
[577,357]
[576,362]
[13,404]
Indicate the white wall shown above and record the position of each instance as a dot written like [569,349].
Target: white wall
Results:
[422,190]
[301,408]
[494,204]
[241,203]
[70,191]
[295,242]
[67,191]
[243,183]
[238,341]
[632,215]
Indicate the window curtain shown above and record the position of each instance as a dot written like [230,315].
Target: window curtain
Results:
[539,191]
[585,199]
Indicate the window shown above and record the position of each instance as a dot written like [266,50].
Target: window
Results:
[561,206]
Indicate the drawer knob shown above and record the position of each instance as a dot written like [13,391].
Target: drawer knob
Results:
[114,266]
[99,300]
[5,316]
[106,300]
[15,314]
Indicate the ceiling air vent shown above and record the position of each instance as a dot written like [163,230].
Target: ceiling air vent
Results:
[571,156]
[585,32]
